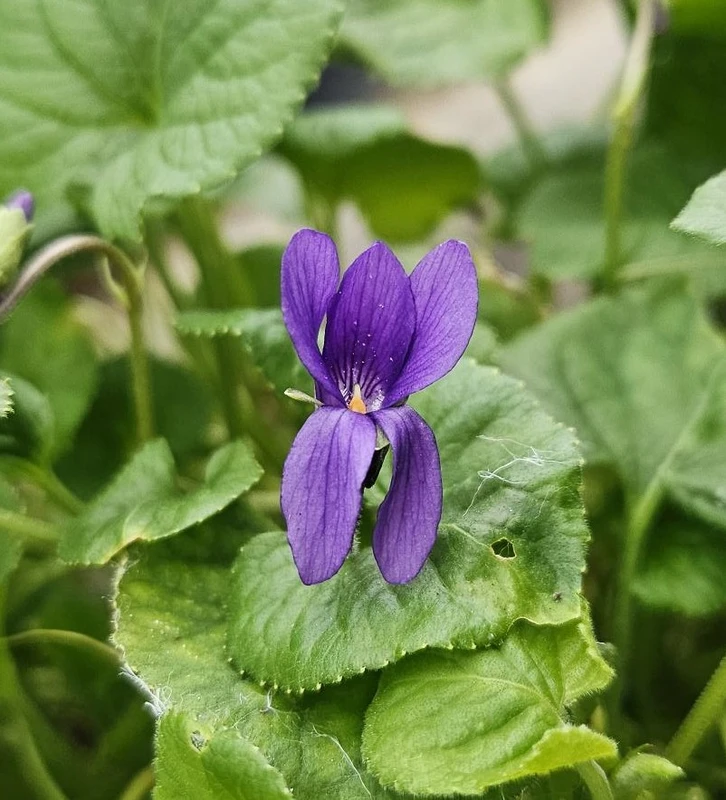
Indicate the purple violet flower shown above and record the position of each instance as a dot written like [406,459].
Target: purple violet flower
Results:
[24,201]
[387,336]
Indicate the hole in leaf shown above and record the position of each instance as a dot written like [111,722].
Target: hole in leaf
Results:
[503,548]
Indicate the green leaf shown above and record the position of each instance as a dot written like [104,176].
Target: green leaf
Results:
[682,570]
[149,101]
[563,220]
[28,431]
[639,773]
[705,213]
[403,185]
[608,362]
[43,343]
[439,42]
[144,502]
[11,547]
[223,766]
[511,483]
[6,398]
[171,622]
[704,17]
[475,720]
[264,336]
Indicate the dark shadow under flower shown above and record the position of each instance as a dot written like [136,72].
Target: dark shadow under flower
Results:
[387,336]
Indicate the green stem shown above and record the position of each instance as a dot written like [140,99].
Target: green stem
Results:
[528,138]
[706,711]
[16,740]
[130,294]
[26,527]
[41,636]
[624,113]
[140,785]
[594,777]
[45,479]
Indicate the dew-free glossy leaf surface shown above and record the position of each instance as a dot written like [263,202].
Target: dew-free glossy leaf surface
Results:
[509,473]
[144,502]
[149,99]
[171,624]
[438,42]
[474,720]
[191,766]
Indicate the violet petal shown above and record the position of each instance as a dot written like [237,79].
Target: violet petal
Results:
[371,322]
[409,517]
[322,488]
[23,200]
[310,273]
[444,288]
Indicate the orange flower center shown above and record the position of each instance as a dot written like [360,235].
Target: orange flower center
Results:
[356,402]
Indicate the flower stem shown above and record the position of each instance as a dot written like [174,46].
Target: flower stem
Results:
[527,137]
[626,106]
[28,528]
[45,479]
[706,711]
[130,293]
[16,740]
[596,780]
[140,785]
[40,636]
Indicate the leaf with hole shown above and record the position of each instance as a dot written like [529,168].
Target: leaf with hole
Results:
[144,501]
[475,720]
[149,100]
[509,473]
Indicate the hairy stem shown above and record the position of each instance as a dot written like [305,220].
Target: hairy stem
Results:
[130,293]
[594,777]
[527,137]
[626,106]
[707,710]
[28,528]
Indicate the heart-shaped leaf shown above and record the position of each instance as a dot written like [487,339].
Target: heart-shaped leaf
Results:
[475,720]
[149,100]
[511,544]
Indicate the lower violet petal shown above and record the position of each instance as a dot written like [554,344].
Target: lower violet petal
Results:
[322,487]
[409,516]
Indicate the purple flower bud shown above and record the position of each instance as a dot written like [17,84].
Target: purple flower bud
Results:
[24,201]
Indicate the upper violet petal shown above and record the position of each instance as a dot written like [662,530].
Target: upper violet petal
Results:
[310,273]
[322,487]
[371,321]
[444,287]
[409,517]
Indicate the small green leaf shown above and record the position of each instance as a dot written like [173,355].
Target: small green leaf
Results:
[171,622]
[6,398]
[439,42]
[562,218]
[511,477]
[28,431]
[475,720]
[194,765]
[639,773]
[402,184]
[705,213]
[149,100]
[43,343]
[263,335]
[144,503]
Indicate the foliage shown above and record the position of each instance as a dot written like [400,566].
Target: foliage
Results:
[155,637]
